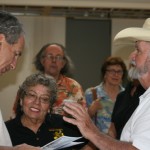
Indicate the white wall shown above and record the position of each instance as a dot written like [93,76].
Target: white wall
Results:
[39,31]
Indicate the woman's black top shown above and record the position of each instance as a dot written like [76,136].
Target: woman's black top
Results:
[53,127]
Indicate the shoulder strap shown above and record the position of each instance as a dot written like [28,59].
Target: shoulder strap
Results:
[94,93]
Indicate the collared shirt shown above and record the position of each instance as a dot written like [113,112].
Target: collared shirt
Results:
[103,116]
[137,129]
[4,135]
[68,89]
[53,128]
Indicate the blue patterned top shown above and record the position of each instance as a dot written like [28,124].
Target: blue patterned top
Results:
[103,116]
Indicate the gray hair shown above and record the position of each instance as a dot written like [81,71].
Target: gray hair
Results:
[10,27]
[33,80]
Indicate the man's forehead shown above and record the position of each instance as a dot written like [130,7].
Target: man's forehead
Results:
[54,48]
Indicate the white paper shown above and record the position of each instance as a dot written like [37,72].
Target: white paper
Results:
[62,142]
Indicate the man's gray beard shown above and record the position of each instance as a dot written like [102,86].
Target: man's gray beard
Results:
[133,73]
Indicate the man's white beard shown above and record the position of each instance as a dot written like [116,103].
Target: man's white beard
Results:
[133,73]
[136,73]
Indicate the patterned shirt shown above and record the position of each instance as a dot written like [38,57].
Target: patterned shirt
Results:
[67,89]
[103,116]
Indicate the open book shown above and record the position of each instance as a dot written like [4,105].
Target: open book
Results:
[62,142]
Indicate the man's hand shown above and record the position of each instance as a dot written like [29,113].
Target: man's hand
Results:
[80,118]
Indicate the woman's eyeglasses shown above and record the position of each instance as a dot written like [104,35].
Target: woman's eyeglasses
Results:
[32,96]
[114,72]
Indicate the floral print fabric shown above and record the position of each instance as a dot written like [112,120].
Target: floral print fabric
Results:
[103,116]
[68,89]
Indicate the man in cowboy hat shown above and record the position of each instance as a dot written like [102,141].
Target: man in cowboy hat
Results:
[136,133]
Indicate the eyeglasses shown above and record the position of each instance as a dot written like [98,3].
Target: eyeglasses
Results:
[113,72]
[32,96]
[56,58]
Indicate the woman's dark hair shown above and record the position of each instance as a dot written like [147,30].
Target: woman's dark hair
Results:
[113,61]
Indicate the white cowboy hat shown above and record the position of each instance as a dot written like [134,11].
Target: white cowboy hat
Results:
[128,36]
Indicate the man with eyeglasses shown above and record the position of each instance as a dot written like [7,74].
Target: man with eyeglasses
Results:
[52,60]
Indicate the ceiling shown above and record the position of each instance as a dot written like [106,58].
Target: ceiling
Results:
[79,8]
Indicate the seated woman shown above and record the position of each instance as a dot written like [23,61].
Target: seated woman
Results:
[34,124]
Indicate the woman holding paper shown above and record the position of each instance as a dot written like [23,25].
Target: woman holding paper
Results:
[34,124]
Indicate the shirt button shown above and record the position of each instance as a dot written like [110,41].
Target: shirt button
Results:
[37,139]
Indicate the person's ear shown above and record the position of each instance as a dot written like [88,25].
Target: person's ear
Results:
[2,38]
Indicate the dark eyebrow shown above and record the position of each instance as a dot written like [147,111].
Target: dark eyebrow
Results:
[52,54]
[46,94]
[31,91]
